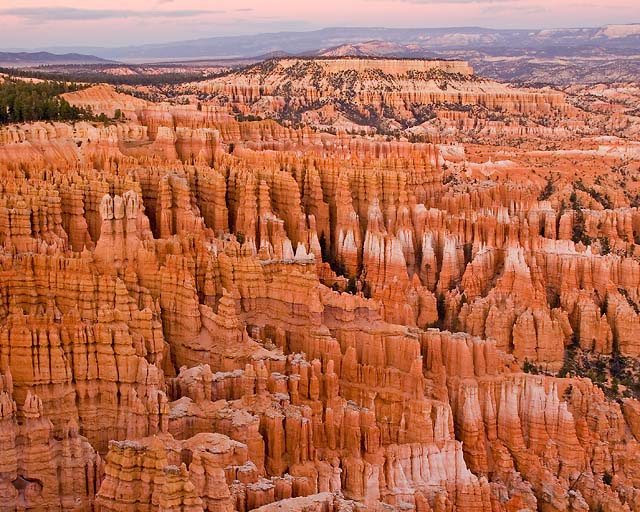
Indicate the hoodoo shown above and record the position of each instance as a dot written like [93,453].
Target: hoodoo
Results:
[329,284]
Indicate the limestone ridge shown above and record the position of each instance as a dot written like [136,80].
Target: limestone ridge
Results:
[387,66]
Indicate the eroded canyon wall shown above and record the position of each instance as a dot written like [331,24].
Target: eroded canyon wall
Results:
[203,314]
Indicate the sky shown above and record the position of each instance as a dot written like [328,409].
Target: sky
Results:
[56,23]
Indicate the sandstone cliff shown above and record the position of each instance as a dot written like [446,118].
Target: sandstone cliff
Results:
[198,313]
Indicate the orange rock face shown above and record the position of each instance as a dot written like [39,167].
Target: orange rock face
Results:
[201,314]
[324,91]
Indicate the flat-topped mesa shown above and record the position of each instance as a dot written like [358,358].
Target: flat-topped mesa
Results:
[389,66]
[386,94]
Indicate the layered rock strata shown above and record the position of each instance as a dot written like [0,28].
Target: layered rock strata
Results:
[204,314]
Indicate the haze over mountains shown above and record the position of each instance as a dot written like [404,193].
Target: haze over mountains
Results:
[604,54]
[624,39]
[20,59]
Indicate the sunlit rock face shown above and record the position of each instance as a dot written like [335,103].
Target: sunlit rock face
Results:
[198,313]
[373,94]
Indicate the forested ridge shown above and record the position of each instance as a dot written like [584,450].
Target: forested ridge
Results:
[100,74]
[22,101]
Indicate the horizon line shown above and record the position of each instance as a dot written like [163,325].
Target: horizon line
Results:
[45,48]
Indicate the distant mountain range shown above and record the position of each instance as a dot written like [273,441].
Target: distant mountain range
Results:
[542,64]
[611,38]
[27,59]
[583,55]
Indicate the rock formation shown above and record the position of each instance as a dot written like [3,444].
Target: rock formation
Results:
[201,313]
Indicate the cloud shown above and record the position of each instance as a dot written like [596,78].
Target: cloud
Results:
[435,2]
[513,9]
[41,14]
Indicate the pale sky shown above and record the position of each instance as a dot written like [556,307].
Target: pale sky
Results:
[45,23]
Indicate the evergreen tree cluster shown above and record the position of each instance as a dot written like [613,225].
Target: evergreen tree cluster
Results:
[22,101]
[100,74]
